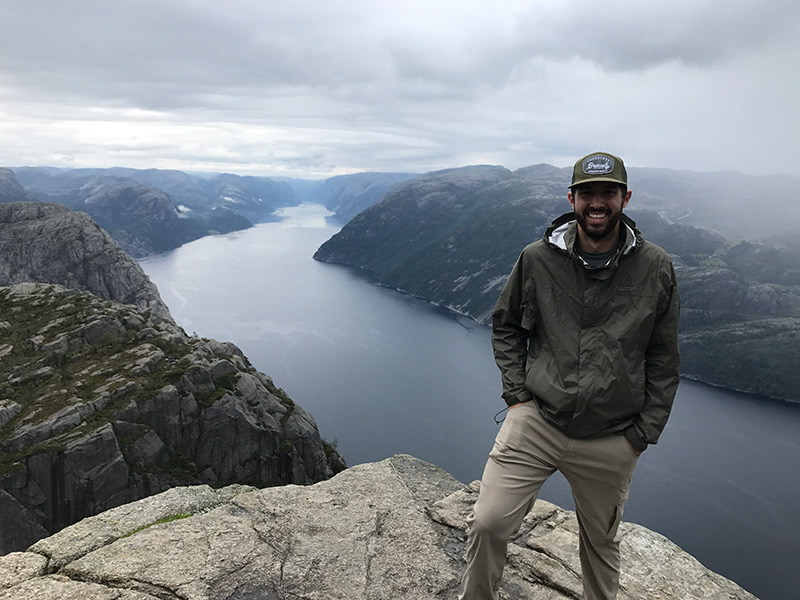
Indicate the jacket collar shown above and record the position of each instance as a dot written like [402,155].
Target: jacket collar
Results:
[563,232]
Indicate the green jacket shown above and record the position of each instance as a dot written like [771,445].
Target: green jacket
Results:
[597,349]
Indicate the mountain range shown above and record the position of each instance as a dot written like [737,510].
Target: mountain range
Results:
[452,237]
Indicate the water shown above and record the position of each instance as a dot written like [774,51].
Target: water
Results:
[384,373]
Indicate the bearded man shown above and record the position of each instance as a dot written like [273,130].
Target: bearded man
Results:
[585,334]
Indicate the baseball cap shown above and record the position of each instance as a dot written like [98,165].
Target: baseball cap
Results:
[599,166]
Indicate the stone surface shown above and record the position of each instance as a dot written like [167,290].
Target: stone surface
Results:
[378,531]
[46,243]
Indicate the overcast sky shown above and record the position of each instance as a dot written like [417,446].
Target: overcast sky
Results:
[319,88]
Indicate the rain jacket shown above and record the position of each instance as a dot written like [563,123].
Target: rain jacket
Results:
[597,349]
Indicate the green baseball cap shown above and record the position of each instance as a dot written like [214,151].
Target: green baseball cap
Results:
[599,166]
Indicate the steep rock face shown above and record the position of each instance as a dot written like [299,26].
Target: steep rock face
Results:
[452,237]
[394,529]
[42,242]
[102,403]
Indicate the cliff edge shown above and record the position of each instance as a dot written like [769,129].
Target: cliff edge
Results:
[387,530]
[103,403]
[47,243]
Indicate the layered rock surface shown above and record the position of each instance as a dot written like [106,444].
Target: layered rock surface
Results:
[103,403]
[387,530]
[46,243]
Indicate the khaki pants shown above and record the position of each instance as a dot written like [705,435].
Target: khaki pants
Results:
[526,452]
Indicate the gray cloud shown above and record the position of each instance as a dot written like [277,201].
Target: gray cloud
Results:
[319,88]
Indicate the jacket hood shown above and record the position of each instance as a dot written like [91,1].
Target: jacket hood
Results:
[562,233]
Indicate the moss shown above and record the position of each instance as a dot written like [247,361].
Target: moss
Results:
[11,462]
[159,522]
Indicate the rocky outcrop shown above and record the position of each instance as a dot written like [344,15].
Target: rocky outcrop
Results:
[387,530]
[103,403]
[43,242]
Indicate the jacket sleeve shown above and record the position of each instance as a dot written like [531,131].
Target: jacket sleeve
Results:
[511,331]
[662,367]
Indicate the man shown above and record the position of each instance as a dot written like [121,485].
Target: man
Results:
[585,334]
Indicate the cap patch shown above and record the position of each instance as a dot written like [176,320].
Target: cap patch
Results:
[598,164]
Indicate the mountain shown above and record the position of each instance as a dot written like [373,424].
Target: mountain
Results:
[347,195]
[142,219]
[103,403]
[393,529]
[65,186]
[47,243]
[150,211]
[10,188]
[253,197]
[453,236]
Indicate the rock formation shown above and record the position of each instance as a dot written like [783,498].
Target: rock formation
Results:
[102,403]
[46,243]
[388,530]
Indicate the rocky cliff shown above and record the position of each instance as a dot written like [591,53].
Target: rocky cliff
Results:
[47,243]
[387,530]
[102,403]
[453,236]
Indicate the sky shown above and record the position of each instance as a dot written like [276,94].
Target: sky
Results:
[313,89]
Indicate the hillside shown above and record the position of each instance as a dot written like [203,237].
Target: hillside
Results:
[150,211]
[452,237]
[104,403]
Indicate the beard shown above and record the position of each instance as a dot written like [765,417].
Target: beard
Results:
[598,230]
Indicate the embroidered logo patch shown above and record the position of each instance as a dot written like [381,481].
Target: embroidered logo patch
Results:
[598,164]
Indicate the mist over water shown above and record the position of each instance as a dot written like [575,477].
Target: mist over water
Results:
[384,373]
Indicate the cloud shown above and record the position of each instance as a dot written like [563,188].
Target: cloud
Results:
[412,86]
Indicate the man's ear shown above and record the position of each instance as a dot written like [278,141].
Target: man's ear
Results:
[571,199]
[627,198]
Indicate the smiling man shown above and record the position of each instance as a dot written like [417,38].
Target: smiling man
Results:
[585,334]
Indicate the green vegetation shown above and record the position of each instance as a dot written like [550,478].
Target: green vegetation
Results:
[159,522]
[73,372]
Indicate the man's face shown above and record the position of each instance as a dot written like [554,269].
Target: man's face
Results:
[598,207]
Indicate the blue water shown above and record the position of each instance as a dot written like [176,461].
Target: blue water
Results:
[385,373]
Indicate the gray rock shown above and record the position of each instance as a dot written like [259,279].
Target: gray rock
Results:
[46,243]
[387,530]
[20,528]
[92,416]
